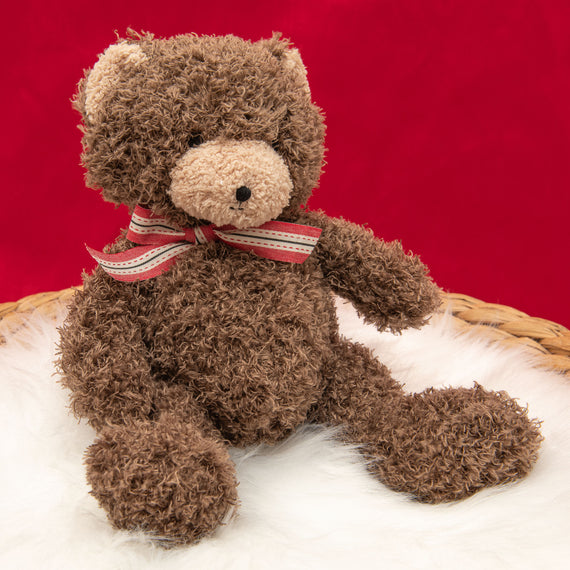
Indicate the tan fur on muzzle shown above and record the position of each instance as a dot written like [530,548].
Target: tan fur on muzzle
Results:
[206,179]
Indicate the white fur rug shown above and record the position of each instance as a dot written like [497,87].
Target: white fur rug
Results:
[308,503]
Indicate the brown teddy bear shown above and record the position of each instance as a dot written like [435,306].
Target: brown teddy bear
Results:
[212,321]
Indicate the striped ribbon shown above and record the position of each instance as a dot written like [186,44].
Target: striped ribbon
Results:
[159,244]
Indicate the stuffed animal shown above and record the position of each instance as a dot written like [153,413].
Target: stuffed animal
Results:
[211,322]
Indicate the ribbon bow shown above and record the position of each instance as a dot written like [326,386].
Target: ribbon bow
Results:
[159,244]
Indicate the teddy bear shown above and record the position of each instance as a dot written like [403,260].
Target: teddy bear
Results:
[211,321]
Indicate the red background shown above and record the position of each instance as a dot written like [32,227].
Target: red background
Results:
[448,128]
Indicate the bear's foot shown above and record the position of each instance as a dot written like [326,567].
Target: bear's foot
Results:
[445,445]
[165,478]
[439,445]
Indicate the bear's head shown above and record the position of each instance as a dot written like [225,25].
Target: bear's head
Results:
[202,129]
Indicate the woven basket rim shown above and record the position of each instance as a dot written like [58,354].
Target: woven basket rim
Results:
[547,341]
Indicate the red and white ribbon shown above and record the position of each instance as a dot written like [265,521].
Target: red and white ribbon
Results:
[160,244]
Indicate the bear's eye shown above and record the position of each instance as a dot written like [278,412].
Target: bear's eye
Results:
[194,140]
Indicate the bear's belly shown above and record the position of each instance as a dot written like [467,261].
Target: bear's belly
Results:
[248,336]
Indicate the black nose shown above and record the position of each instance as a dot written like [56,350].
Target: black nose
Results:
[243,193]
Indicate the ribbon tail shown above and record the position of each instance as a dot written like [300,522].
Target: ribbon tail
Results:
[269,252]
[279,241]
[139,263]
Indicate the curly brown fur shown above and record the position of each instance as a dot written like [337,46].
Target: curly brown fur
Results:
[165,477]
[438,445]
[226,347]
[217,88]
[390,289]
[224,331]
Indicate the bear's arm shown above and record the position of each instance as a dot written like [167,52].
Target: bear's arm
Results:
[391,289]
[105,362]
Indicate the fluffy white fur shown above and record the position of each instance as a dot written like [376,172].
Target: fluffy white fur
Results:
[308,503]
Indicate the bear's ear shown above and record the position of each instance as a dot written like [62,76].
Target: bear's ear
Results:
[106,75]
[294,65]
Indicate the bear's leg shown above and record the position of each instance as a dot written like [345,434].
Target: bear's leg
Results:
[165,477]
[439,445]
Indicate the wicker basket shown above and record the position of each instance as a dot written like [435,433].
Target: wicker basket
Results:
[547,341]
